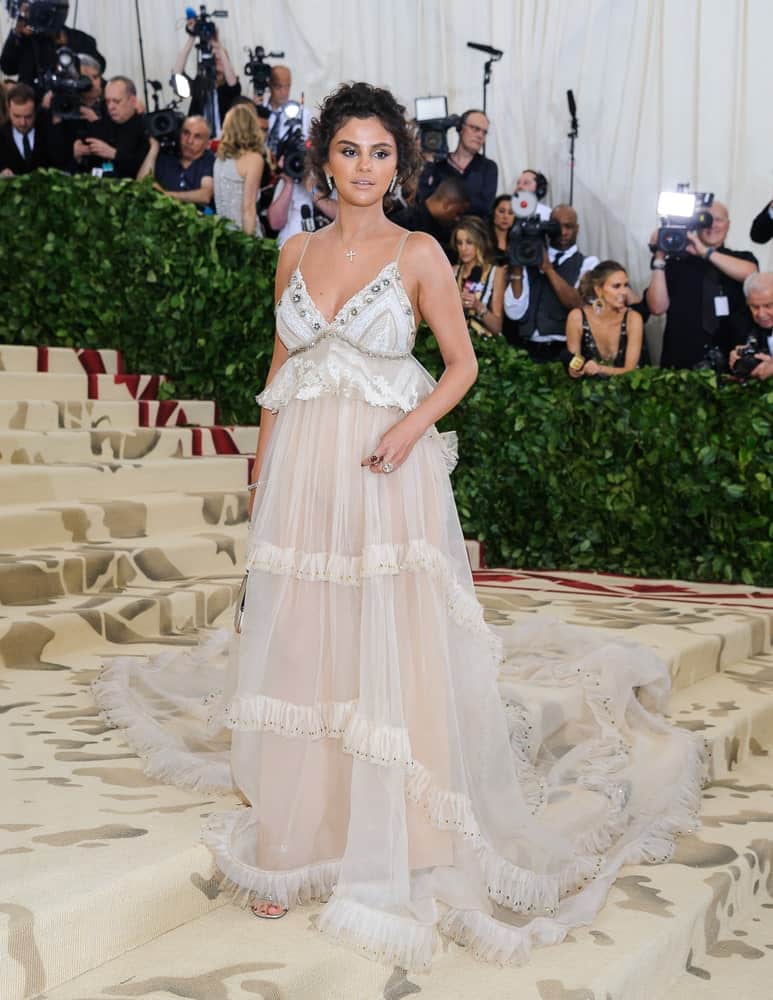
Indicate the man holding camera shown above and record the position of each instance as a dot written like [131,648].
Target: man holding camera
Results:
[29,52]
[186,177]
[477,172]
[25,137]
[541,297]
[438,214]
[701,293]
[280,123]
[116,145]
[758,289]
[211,97]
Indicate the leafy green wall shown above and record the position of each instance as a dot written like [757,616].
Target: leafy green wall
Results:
[663,474]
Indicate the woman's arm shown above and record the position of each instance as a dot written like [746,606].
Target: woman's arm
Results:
[279,208]
[493,315]
[288,260]
[436,297]
[252,180]
[574,340]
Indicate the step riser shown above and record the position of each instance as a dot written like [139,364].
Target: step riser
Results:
[101,627]
[36,484]
[146,444]
[66,360]
[41,577]
[147,516]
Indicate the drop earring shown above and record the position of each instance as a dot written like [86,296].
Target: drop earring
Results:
[598,305]
[392,185]
[330,181]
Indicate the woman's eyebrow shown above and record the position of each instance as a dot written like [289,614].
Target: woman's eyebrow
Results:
[376,145]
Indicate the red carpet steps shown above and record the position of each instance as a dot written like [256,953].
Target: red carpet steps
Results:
[117,534]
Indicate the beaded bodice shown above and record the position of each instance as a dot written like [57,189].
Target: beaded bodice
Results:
[377,320]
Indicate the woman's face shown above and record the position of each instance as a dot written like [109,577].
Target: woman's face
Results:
[363,160]
[466,247]
[614,291]
[503,215]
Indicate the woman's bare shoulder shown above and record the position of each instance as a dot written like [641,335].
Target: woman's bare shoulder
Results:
[422,253]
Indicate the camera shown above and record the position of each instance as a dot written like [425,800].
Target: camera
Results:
[66,84]
[164,124]
[292,146]
[433,122]
[203,28]
[529,235]
[258,69]
[746,362]
[681,211]
[44,17]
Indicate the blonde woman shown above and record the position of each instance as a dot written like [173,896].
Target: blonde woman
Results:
[481,283]
[239,169]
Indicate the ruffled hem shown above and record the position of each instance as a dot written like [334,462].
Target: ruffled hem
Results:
[162,756]
[379,935]
[286,888]
[489,940]
[416,556]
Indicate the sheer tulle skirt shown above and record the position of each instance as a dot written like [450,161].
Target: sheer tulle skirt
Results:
[398,757]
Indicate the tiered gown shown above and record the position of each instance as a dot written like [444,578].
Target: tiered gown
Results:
[419,770]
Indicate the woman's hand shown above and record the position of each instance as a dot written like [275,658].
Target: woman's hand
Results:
[471,302]
[591,368]
[394,447]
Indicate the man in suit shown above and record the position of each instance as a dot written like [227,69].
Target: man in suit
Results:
[24,139]
[758,289]
[116,144]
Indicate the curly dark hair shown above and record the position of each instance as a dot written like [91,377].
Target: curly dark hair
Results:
[362,100]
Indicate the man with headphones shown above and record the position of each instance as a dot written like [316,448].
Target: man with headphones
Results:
[536,183]
[477,172]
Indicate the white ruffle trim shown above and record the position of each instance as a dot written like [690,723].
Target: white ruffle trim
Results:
[490,940]
[162,756]
[286,888]
[367,740]
[384,937]
[416,556]
[338,369]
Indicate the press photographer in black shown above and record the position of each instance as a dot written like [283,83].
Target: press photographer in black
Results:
[754,359]
[477,172]
[701,292]
[214,78]
[117,144]
[28,51]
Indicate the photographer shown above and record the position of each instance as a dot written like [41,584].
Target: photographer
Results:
[758,289]
[185,174]
[64,132]
[541,297]
[225,83]
[438,214]
[476,171]
[27,53]
[285,213]
[279,124]
[701,294]
[116,144]
[25,142]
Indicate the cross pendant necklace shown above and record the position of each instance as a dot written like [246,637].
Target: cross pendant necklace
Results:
[351,255]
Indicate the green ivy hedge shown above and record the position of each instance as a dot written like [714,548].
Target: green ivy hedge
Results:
[663,474]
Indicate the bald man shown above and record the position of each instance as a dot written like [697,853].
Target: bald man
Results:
[279,123]
[701,294]
[758,289]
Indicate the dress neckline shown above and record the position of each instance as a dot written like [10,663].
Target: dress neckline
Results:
[368,286]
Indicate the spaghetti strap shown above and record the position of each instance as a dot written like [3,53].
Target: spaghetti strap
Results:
[400,246]
[305,247]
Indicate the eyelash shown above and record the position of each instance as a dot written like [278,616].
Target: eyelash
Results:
[382,154]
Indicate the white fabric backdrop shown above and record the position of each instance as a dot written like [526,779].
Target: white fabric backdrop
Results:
[667,91]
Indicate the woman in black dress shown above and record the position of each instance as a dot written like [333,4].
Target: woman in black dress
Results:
[605,336]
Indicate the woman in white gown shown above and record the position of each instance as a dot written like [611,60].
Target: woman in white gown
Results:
[400,759]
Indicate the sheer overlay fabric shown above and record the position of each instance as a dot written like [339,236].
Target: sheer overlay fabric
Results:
[419,770]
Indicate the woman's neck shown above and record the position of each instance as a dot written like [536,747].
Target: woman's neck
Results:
[355,223]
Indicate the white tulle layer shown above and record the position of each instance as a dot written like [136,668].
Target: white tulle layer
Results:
[401,758]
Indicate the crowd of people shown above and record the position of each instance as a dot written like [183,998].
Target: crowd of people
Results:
[235,155]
